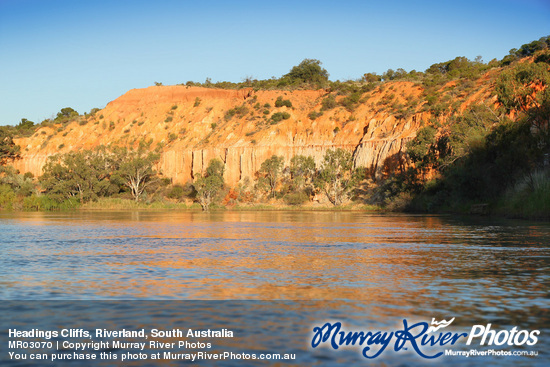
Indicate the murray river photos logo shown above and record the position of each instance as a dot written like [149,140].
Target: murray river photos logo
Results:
[427,340]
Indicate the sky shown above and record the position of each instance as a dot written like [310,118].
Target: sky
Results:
[84,54]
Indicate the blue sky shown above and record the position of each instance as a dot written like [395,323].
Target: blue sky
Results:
[83,54]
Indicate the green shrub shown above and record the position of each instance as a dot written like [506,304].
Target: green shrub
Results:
[328,103]
[229,114]
[176,192]
[530,198]
[45,202]
[168,119]
[350,102]
[296,198]
[33,203]
[239,111]
[279,116]
[7,197]
[314,114]
[280,102]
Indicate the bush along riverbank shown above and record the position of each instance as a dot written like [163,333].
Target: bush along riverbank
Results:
[115,177]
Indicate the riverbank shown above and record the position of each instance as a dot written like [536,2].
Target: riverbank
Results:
[519,204]
[124,204]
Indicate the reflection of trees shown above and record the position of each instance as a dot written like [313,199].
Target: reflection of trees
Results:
[394,266]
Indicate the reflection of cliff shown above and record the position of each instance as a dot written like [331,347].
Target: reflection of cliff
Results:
[264,255]
[395,266]
[194,125]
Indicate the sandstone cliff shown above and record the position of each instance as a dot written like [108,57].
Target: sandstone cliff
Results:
[191,125]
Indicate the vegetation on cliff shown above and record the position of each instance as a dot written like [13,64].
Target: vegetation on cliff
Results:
[486,155]
[8,149]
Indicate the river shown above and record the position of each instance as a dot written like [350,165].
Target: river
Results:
[283,272]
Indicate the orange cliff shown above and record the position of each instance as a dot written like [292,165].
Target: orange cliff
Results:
[191,125]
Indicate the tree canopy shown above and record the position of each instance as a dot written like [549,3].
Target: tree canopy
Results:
[211,184]
[270,173]
[84,174]
[337,177]
[65,115]
[136,169]
[309,72]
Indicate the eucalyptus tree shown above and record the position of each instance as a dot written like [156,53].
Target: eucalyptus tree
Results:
[136,169]
[337,177]
[209,186]
[270,173]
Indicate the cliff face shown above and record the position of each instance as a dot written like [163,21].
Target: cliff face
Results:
[191,125]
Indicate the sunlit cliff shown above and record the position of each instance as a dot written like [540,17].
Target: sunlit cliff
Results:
[191,125]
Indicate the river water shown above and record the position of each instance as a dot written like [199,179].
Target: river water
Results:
[276,275]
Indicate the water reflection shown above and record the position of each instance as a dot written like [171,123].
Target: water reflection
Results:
[395,264]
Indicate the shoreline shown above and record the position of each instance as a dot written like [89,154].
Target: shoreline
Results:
[124,204]
[494,211]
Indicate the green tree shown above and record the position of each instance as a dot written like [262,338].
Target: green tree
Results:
[136,169]
[209,186]
[22,185]
[310,72]
[65,115]
[529,49]
[9,151]
[371,77]
[298,180]
[25,127]
[270,173]
[420,149]
[467,132]
[215,168]
[388,75]
[302,171]
[84,175]
[337,178]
